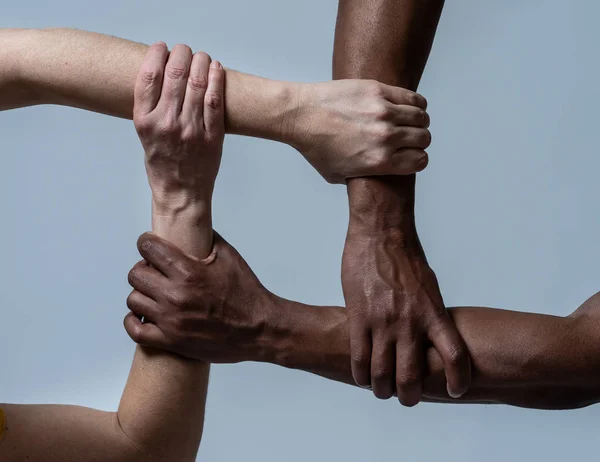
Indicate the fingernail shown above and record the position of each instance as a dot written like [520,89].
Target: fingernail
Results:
[454,395]
[216,65]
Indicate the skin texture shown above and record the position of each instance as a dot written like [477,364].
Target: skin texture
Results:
[220,312]
[395,305]
[161,414]
[344,129]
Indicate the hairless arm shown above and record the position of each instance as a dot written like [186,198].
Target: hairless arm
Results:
[392,295]
[336,126]
[520,359]
[161,414]
[97,72]
[221,313]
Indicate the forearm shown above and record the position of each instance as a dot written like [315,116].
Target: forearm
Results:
[389,41]
[164,401]
[161,413]
[54,433]
[519,359]
[97,72]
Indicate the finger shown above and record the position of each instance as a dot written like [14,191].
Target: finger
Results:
[148,84]
[411,116]
[360,346]
[142,306]
[146,279]
[214,101]
[409,363]
[399,95]
[143,333]
[410,137]
[454,353]
[175,80]
[383,367]
[164,256]
[407,161]
[193,105]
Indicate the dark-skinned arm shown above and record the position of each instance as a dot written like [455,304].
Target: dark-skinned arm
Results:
[394,301]
[221,313]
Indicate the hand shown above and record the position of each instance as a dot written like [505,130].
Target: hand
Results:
[396,309]
[179,116]
[354,128]
[213,310]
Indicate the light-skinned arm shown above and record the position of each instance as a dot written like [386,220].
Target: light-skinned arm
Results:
[161,414]
[343,129]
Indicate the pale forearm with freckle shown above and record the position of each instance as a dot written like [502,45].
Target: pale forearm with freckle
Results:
[97,72]
[520,359]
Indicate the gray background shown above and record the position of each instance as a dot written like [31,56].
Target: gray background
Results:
[507,211]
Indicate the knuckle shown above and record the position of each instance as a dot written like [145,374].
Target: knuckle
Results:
[213,100]
[188,274]
[415,99]
[149,76]
[407,379]
[456,355]
[175,71]
[360,360]
[189,134]
[167,127]
[143,125]
[131,301]
[381,373]
[198,82]
[179,322]
[375,89]
[178,298]
[377,160]
[425,139]
[132,276]
[134,332]
[383,132]
[382,112]
[146,246]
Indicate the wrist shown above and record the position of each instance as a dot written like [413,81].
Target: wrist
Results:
[261,108]
[279,331]
[296,121]
[189,227]
[192,204]
[382,205]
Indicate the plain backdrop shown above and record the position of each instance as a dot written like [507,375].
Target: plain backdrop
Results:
[507,211]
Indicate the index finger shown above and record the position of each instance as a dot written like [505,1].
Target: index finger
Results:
[148,85]
[399,95]
[167,258]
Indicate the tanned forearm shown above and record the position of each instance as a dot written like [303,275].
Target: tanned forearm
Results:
[521,359]
[97,72]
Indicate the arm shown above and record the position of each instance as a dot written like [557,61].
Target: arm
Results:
[343,129]
[224,314]
[394,301]
[161,413]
